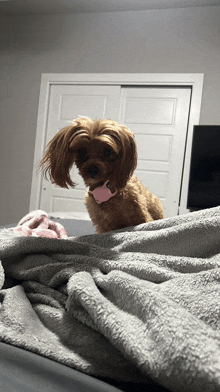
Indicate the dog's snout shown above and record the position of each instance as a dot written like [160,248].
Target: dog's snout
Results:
[93,171]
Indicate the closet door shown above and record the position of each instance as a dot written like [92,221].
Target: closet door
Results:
[158,117]
[66,103]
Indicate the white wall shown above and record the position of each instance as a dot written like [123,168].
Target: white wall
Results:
[183,40]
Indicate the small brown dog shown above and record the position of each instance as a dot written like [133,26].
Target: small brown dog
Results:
[105,154]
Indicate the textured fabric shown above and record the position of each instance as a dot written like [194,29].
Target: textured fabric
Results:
[137,304]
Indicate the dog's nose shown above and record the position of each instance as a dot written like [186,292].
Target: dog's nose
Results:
[93,171]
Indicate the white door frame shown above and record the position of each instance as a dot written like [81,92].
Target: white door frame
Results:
[194,81]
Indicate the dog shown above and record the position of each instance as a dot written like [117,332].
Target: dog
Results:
[105,154]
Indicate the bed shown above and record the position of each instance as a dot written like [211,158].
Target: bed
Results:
[136,309]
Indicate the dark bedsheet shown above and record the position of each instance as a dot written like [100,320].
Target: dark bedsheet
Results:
[23,371]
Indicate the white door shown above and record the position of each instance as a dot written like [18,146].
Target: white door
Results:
[158,117]
[66,103]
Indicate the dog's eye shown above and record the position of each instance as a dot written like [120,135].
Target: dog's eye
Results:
[82,154]
[107,152]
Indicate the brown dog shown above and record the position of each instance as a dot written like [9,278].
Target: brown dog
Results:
[105,154]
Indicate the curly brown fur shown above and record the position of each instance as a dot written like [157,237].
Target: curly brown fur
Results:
[102,150]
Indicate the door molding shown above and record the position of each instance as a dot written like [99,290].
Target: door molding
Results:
[192,80]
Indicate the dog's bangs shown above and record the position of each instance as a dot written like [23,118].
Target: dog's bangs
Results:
[79,137]
[110,141]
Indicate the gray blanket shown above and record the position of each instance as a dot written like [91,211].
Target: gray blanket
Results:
[138,304]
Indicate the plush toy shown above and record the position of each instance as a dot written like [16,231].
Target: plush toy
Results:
[37,224]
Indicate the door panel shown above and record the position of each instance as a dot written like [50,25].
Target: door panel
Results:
[158,117]
[153,147]
[148,110]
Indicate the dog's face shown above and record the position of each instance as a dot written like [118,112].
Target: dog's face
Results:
[101,150]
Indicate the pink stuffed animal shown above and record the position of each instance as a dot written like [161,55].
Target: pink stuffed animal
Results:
[37,224]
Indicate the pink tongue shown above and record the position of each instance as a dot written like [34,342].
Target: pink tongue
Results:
[102,193]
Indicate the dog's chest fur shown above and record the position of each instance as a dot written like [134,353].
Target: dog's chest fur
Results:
[129,207]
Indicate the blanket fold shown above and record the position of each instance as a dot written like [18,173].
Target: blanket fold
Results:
[139,304]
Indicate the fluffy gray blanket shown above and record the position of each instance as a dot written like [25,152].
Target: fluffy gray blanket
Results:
[137,304]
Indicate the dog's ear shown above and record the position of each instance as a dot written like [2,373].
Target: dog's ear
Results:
[127,159]
[59,158]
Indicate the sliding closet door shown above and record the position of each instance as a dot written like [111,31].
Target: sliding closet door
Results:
[157,115]
[66,103]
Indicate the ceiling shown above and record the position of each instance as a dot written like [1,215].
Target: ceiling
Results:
[34,7]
